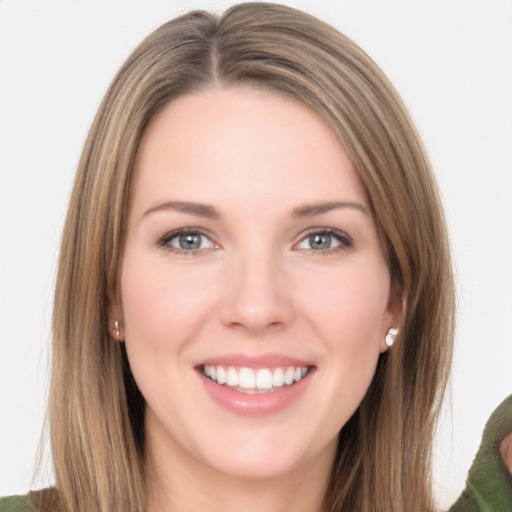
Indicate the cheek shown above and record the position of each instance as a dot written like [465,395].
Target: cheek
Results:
[351,305]
[349,317]
[163,309]
[161,305]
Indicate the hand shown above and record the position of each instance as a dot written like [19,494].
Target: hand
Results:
[506,451]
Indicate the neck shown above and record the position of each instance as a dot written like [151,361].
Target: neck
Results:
[177,483]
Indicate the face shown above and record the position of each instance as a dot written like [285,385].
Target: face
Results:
[255,293]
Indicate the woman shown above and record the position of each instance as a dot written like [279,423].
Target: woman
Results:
[252,198]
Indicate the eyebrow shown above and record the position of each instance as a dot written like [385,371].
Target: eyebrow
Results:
[210,212]
[310,210]
[191,208]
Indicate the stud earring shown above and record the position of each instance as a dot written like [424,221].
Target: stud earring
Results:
[390,337]
[116,328]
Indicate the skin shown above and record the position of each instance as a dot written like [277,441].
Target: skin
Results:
[255,286]
[506,452]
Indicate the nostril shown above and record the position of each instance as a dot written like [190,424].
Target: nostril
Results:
[257,314]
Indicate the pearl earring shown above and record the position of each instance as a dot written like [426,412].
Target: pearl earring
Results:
[390,337]
[116,328]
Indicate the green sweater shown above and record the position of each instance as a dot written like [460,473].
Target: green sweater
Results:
[488,486]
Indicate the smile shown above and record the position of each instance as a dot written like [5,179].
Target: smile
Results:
[251,381]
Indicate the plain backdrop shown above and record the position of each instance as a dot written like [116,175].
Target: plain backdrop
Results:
[450,60]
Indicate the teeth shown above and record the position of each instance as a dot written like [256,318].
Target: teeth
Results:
[264,379]
[246,379]
[232,377]
[221,375]
[278,377]
[252,379]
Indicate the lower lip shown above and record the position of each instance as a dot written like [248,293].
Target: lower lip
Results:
[258,404]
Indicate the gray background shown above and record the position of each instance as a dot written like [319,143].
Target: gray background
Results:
[450,60]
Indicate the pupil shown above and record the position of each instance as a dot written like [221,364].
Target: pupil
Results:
[190,241]
[320,241]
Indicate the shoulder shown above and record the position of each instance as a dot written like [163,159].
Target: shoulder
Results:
[14,504]
[44,500]
[489,483]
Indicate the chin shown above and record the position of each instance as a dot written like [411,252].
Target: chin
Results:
[256,469]
[268,457]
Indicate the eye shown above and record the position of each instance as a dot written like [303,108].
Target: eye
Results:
[325,240]
[186,241]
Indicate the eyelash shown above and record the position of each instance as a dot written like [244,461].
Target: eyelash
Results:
[165,241]
[345,242]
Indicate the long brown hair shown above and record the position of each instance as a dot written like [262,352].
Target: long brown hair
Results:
[96,412]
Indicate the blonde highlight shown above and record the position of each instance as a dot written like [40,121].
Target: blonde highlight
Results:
[96,411]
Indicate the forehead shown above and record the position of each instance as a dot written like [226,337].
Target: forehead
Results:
[251,141]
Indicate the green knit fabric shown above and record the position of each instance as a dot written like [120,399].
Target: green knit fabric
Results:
[13,504]
[489,484]
[44,500]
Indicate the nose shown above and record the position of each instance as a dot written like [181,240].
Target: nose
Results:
[257,299]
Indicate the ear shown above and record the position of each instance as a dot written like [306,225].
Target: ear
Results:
[115,321]
[392,318]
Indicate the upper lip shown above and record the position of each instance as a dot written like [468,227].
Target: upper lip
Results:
[254,361]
